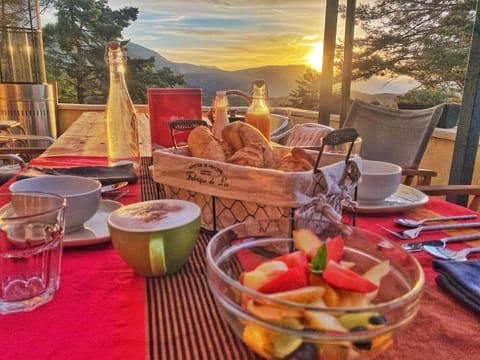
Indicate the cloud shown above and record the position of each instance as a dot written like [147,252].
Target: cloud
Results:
[230,34]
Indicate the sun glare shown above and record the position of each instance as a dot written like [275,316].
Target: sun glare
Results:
[315,56]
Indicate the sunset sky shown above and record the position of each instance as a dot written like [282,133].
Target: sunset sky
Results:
[230,34]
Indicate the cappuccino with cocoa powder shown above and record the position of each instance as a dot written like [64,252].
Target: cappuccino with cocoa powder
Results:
[155,237]
[155,215]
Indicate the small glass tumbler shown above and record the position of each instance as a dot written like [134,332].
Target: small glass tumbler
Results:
[31,235]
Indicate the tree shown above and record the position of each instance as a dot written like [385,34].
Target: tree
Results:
[141,75]
[306,95]
[427,40]
[74,49]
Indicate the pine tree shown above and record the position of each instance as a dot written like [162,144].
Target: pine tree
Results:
[74,50]
[427,40]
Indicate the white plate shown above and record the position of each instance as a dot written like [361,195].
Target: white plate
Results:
[94,230]
[405,198]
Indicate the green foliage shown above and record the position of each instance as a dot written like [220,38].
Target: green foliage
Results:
[427,40]
[307,94]
[74,49]
[429,96]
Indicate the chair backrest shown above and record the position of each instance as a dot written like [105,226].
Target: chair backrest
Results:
[16,150]
[307,134]
[393,135]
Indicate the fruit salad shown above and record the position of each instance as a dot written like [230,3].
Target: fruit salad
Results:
[316,276]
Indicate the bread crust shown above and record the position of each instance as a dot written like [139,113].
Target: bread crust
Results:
[297,160]
[251,155]
[239,134]
[204,145]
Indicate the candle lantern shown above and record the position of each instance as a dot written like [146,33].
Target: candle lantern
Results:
[25,95]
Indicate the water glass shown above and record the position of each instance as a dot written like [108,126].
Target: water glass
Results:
[31,235]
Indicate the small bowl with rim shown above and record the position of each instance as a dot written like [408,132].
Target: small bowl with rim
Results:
[81,193]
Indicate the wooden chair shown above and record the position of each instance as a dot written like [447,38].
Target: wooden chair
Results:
[17,149]
[394,135]
[472,191]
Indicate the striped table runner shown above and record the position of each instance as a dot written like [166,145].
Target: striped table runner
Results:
[183,321]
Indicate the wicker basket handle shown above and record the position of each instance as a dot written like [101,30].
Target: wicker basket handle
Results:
[211,111]
[337,137]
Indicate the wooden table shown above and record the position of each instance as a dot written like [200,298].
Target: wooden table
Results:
[104,310]
[86,137]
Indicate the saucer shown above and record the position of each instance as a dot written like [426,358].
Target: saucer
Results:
[94,230]
[405,198]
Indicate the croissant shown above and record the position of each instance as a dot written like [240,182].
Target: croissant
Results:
[301,154]
[298,160]
[251,155]
[290,164]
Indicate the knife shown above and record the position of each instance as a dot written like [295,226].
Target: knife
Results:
[418,245]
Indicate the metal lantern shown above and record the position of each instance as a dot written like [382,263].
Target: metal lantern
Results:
[25,95]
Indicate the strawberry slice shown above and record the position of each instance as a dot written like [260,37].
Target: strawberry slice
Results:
[342,278]
[335,247]
[293,259]
[295,277]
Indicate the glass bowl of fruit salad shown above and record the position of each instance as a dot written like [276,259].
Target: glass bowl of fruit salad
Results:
[312,291]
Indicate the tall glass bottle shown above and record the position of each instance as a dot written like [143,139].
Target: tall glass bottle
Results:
[221,114]
[258,113]
[120,114]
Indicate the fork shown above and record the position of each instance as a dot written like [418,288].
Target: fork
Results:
[414,233]
[447,254]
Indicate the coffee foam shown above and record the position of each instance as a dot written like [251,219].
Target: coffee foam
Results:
[154,215]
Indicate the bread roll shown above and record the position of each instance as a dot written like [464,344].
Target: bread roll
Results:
[298,160]
[204,145]
[239,134]
[302,154]
[251,155]
[290,164]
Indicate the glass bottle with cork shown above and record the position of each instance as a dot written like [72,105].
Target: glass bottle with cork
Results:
[258,113]
[120,114]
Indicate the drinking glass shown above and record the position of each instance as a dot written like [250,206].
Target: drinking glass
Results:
[31,235]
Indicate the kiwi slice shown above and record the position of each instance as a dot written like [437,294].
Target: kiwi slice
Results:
[350,321]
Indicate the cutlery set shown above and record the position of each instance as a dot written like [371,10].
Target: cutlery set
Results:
[436,247]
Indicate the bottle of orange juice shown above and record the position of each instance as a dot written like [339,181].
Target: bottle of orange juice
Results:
[258,113]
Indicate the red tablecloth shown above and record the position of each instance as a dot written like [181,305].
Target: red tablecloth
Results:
[101,310]
[98,311]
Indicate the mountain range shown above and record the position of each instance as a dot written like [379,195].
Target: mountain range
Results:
[281,79]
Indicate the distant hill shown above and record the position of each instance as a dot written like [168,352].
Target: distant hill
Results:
[281,80]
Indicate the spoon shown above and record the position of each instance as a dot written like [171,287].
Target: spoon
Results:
[113,187]
[415,223]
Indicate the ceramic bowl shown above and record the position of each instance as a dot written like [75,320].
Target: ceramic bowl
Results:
[277,328]
[379,180]
[82,195]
